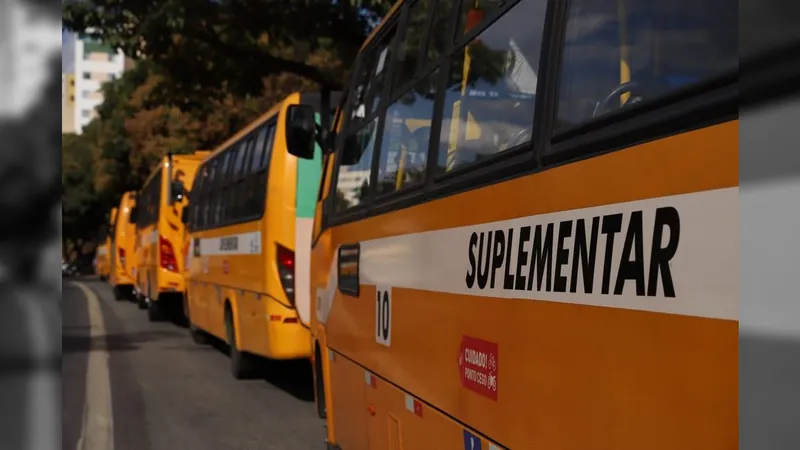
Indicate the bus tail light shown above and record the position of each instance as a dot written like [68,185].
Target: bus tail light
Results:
[286,271]
[122,257]
[167,255]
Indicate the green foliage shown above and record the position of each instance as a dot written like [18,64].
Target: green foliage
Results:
[81,211]
[205,68]
[118,150]
[210,48]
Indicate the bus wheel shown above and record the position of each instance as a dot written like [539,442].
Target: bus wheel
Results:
[153,311]
[241,363]
[117,293]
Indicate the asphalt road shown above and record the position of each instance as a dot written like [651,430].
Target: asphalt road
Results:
[168,393]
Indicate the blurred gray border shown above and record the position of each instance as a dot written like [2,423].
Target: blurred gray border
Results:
[30,227]
[769,221]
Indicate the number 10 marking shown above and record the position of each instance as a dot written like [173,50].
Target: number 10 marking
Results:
[383,316]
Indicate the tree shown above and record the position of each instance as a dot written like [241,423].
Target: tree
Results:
[82,211]
[207,48]
[119,149]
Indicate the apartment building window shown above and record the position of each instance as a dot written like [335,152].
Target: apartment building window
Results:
[87,76]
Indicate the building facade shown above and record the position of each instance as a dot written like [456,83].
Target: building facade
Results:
[87,64]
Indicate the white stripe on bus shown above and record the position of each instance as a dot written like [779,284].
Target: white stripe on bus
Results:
[692,270]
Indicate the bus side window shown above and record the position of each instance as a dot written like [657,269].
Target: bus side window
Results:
[240,186]
[618,53]
[406,133]
[208,193]
[195,196]
[228,202]
[255,174]
[352,181]
[354,162]
[221,186]
[491,88]
[260,168]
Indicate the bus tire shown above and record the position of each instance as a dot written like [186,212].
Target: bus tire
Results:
[117,293]
[242,364]
[154,311]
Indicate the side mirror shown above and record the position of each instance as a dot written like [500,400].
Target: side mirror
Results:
[134,213]
[177,191]
[185,216]
[300,128]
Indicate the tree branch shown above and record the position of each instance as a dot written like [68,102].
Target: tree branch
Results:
[273,63]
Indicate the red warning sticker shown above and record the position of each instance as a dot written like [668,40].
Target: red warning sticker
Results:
[478,363]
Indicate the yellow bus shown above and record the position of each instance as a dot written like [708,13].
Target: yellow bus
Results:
[548,188]
[102,253]
[157,214]
[250,219]
[122,258]
[101,261]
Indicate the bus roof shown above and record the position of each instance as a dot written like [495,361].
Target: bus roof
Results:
[197,155]
[256,123]
[313,99]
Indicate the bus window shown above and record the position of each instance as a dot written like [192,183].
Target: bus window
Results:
[491,88]
[259,149]
[197,194]
[352,183]
[244,148]
[441,35]
[228,189]
[369,89]
[473,12]
[208,190]
[240,188]
[622,52]
[258,180]
[268,146]
[383,54]
[149,210]
[406,133]
[411,44]
[219,187]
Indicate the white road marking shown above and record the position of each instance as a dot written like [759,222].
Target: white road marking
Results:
[98,424]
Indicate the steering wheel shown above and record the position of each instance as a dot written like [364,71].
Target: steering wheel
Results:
[605,105]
